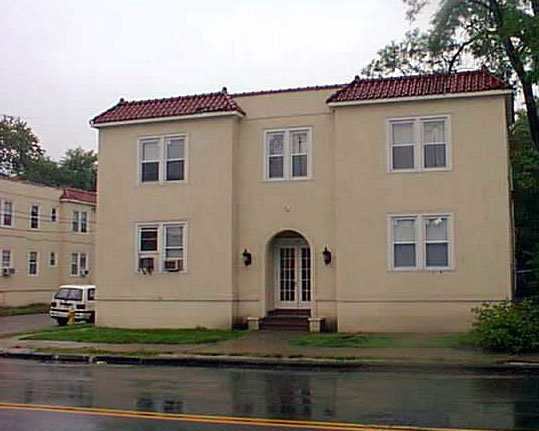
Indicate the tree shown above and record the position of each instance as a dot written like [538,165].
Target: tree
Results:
[19,147]
[79,168]
[501,34]
[525,170]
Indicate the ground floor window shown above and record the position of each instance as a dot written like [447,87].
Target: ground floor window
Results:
[33,262]
[79,264]
[161,247]
[421,242]
[6,258]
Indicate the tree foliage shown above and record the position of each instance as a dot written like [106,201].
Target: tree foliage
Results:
[525,172]
[19,147]
[21,155]
[501,34]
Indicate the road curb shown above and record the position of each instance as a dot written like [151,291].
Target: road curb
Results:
[271,363]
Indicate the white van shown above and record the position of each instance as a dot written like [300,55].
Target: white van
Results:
[80,298]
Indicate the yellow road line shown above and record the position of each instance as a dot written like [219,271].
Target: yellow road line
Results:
[216,419]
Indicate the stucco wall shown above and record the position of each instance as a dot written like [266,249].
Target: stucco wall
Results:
[474,191]
[204,201]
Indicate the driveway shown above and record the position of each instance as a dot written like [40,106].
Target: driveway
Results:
[27,322]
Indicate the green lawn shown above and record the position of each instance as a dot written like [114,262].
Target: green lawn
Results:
[93,334]
[381,341]
[27,309]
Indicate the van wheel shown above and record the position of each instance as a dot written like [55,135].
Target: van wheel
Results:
[61,321]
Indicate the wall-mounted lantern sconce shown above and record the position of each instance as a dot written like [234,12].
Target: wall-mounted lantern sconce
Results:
[246,257]
[326,255]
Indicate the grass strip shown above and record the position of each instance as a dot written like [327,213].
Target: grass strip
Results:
[93,334]
[374,341]
[38,308]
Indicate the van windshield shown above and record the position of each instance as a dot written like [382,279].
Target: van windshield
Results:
[69,293]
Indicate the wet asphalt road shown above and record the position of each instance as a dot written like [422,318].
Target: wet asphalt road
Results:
[27,322]
[426,398]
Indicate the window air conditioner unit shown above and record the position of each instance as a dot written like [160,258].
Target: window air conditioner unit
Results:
[84,272]
[173,265]
[6,272]
[146,265]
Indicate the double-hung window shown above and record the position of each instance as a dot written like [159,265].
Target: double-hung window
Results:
[163,159]
[79,221]
[52,259]
[288,154]
[161,247]
[54,214]
[34,217]
[6,213]
[6,258]
[33,263]
[419,144]
[79,264]
[421,242]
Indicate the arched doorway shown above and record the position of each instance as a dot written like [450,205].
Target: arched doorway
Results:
[291,272]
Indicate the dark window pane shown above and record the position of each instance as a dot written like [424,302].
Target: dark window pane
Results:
[403,157]
[437,254]
[148,240]
[435,156]
[175,170]
[150,171]
[404,255]
[299,166]
[276,167]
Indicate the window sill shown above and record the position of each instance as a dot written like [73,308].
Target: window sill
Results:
[419,171]
[162,183]
[166,273]
[289,180]
[421,270]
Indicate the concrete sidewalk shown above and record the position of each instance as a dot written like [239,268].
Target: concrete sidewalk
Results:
[260,348]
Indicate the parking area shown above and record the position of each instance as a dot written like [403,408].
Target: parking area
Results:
[27,322]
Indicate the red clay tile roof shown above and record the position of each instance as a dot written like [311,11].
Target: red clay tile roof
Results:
[79,195]
[419,85]
[172,107]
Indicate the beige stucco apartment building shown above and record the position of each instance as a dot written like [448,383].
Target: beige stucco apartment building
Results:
[379,205]
[46,239]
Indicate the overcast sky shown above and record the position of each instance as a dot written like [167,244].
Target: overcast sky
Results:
[63,61]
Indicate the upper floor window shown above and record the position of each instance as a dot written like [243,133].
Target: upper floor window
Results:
[6,213]
[417,144]
[421,242]
[34,217]
[54,215]
[161,247]
[79,221]
[288,154]
[163,159]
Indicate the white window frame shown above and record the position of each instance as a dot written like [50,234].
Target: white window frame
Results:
[287,153]
[10,258]
[3,211]
[159,254]
[55,259]
[37,263]
[78,223]
[30,216]
[78,263]
[162,141]
[419,144]
[421,242]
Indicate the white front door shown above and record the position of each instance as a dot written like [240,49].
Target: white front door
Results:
[293,277]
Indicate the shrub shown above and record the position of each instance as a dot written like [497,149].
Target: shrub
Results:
[507,327]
